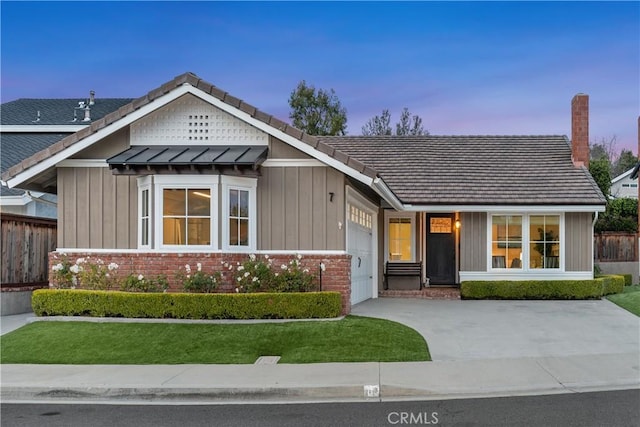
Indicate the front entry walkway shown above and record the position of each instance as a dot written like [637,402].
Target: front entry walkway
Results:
[467,330]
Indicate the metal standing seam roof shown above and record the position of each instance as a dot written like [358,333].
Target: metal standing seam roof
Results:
[475,170]
[181,155]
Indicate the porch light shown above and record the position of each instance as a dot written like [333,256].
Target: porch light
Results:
[458,224]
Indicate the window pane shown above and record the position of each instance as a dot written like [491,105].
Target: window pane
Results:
[145,203]
[199,231]
[233,202]
[399,239]
[544,249]
[244,232]
[174,231]
[506,246]
[145,231]
[233,232]
[244,204]
[199,202]
[173,202]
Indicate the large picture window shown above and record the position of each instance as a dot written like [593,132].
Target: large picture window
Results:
[186,216]
[526,242]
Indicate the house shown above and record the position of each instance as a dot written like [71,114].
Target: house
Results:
[624,185]
[28,126]
[189,173]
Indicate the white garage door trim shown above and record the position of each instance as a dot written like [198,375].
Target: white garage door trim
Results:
[355,199]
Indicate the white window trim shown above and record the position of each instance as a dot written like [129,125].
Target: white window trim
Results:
[184,181]
[525,245]
[146,183]
[388,214]
[243,184]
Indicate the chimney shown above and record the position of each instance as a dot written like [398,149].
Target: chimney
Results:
[580,130]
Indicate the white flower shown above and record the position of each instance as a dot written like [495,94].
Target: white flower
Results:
[140,277]
[188,276]
[187,267]
[306,270]
[112,266]
[199,266]
[240,268]
[75,269]
[283,266]
[74,280]
[107,275]
[58,267]
[100,261]
[266,256]
[239,279]
[80,261]
[255,279]
[231,267]
[322,266]
[252,257]
[299,256]
[237,290]
[246,274]
[277,274]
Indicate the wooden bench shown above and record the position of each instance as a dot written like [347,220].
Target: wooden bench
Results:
[402,269]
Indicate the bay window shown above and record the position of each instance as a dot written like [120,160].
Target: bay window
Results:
[186,212]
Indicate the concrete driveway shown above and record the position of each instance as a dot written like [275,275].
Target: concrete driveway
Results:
[465,330]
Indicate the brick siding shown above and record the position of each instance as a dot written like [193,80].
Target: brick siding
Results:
[336,277]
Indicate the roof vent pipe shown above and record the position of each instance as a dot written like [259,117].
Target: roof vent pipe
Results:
[87,114]
[92,97]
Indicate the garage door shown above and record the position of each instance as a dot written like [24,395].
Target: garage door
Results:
[360,247]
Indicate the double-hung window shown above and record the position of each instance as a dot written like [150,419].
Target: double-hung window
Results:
[239,213]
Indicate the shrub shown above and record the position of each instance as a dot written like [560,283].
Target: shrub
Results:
[84,272]
[628,279]
[68,302]
[139,283]
[611,283]
[532,289]
[198,281]
[258,275]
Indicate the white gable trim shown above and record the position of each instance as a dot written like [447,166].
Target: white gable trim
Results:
[622,176]
[83,163]
[162,101]
[93,138]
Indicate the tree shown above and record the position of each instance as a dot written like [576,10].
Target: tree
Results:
[605,148]
[600,170]
[317,112]
[407,125]
[625,161]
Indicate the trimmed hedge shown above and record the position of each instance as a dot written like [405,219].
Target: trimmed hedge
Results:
[303,305]
[542,289]
[628,278]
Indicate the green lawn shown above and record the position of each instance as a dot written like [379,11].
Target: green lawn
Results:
[353,339]
[629,299]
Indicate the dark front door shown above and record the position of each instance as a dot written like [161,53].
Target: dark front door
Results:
[441,249]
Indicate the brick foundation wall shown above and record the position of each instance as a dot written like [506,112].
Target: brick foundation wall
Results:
[336,277]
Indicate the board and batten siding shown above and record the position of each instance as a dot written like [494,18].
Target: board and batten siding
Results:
[295,211]
[473,241]
[578,239]
[96,209]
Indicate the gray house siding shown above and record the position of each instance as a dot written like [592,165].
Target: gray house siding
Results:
[473,241]
[579,241]
[96,209]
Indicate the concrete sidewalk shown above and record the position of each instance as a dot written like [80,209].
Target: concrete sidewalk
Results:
[315,382]
[318,382]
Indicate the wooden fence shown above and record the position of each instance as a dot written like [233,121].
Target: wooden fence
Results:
[25,244]
[616,247]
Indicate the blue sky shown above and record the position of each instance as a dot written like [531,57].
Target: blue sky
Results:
[464,67]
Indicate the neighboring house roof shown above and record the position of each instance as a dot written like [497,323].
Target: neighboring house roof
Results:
[415,170]
[475,170]
[56,111]
[634,171]
[628,173]
[15,147]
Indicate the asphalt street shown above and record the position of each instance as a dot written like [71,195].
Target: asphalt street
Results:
[612,408]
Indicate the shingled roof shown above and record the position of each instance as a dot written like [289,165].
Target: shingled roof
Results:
[25,111]
[475,170]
